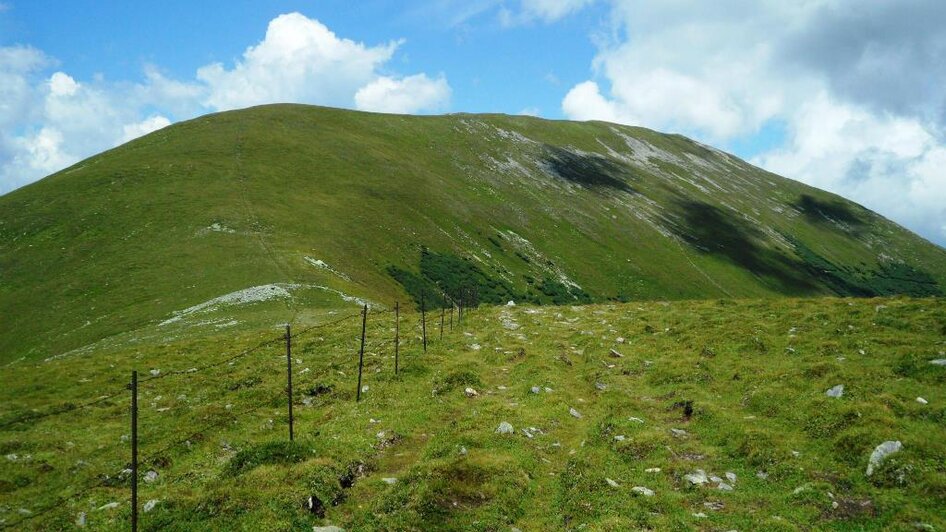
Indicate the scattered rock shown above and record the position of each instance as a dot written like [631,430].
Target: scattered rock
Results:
[697,477]
[922,401]
[619,437]
[364,388]
[938,362]
[470,392]
[476,347]
[150,505]
[389,480]
[536,389]
[330,528]
[619,340]
[601,386]
[731,477]
[714,505]
[652,470]
[511,303]
[574,413]
[615,354]
[12,457]
[109,506]
[761,475]
[155,372]
[612,483]
[151,476]
[678,433]
[80,520]
[315,506]
[463,450]
[641,490]
[505,428]
[699,515]
[836,391]
[723,486]
[636,420]
[880,453]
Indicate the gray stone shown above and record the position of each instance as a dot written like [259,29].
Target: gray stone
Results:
[697,477]
[389,480]
[601,386]
[109,506]
[505,428]
[636,420]
[641,490]
[80,520]
[615,354]
[150,505]
[678,433]
[731,477]
[470,392]
[151,476]
[725,487]
[574,413]
[836,391]
[612,483]
[938,362]
[880,454]
[330,528]
[922,401]
[536,389]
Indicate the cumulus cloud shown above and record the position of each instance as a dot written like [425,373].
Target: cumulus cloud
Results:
[856,86]
[299,60]
[51,120]
[409,95]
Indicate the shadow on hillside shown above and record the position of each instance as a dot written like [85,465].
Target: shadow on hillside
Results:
[824,212]
[714,231]
[588,170]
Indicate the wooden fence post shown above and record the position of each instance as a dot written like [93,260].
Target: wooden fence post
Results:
[289,377]
[361,352]
[134,451]
[397,327]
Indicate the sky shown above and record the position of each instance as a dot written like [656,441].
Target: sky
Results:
[845,95]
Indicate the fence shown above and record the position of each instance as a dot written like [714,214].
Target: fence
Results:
[106,479]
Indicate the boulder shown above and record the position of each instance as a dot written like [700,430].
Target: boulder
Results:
[880,454]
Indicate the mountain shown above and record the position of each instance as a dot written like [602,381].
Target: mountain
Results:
[289,212]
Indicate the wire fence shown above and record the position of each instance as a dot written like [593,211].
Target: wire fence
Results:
[228,417]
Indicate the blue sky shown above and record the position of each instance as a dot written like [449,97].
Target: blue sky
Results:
[841,94]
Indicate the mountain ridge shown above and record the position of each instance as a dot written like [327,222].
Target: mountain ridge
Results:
[394,206]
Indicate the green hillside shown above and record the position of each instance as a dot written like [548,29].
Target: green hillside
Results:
[733,388]
[287,212]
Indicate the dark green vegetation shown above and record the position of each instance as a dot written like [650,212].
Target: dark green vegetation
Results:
[751,373]
[321,208]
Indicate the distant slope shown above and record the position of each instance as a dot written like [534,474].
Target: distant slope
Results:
[295,209]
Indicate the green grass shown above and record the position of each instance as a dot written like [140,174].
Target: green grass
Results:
[755,372]
[517,207]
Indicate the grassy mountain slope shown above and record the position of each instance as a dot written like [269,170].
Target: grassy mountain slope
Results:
[329,205]
[755,373]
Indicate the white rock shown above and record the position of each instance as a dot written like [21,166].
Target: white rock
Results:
[601,386]
[612,483]
[330,528]
[150,505]
[641,490]
[574,413]
[511,303]
[463,450]
[836,391]
[696,477]
[761,475]
[620,340]
[880,453]
[731,477]
[109,506]
[536,389]
[389,480]
[151,476]
[938,362]
[12,457]
[619,437]
[652,470]
[364,388]
[155,372]
[636,420]
[678,433]
[80,520]
[725,487]
[922,401]
[615,354]
[505,428]
[699,515]
[470,392]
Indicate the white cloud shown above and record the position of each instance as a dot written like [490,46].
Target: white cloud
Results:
[48,122]
[148,125]
[409,95]
[722,71]
[547,11]
[300,60]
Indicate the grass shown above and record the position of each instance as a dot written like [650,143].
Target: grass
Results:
[754,371]
[516,207]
